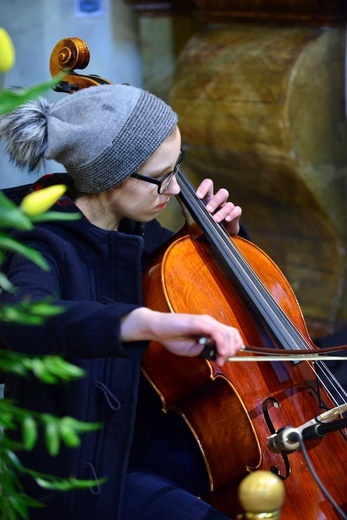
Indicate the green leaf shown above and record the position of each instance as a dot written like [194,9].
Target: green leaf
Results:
[11,216]
[29,432]
[6,284]
[52,436]
[43,308]
[18,505]
[10,244]
[12,457]
[9,100]
[30,313]
[66,484]
[18,315]
[81,426]
[13,366]
[7,420]
[40,371]
[53,216]
[62,368]
[54,366]
[10,513]
[68,434]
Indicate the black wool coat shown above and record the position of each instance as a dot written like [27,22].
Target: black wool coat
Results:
[96,275]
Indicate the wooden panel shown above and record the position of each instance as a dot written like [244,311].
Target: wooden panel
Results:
[300,11]
[160,7]
[308,12]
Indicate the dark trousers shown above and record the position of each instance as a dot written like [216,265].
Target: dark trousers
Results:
[152,497]
[166,476]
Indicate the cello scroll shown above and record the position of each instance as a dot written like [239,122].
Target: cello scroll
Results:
[67,55]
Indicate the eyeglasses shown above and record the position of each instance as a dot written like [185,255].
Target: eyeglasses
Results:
[165,181]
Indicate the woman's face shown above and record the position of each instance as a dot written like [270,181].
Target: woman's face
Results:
[139,200]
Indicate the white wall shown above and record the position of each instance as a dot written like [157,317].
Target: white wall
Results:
[36,26]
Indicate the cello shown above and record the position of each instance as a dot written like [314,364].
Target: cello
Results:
[248,415]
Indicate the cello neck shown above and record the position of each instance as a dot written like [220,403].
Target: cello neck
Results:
[240,273]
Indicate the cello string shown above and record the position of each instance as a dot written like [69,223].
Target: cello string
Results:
[272,314]
[337,386]
[275,318]
[286,324]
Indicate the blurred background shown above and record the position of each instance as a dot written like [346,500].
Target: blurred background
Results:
[260,89]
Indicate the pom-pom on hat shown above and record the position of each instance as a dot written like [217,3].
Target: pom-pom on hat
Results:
[101,135]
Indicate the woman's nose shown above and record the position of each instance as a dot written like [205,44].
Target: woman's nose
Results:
[173,188]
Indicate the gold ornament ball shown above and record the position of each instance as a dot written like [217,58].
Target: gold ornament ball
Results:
[261,492]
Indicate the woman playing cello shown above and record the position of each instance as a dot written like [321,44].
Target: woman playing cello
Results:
[121,148]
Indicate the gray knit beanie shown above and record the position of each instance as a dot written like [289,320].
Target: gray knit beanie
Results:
[101,135]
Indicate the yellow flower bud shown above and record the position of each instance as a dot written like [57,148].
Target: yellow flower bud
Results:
[40,201]
[7,52]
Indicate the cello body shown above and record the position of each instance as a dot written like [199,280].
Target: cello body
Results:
[232,410]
